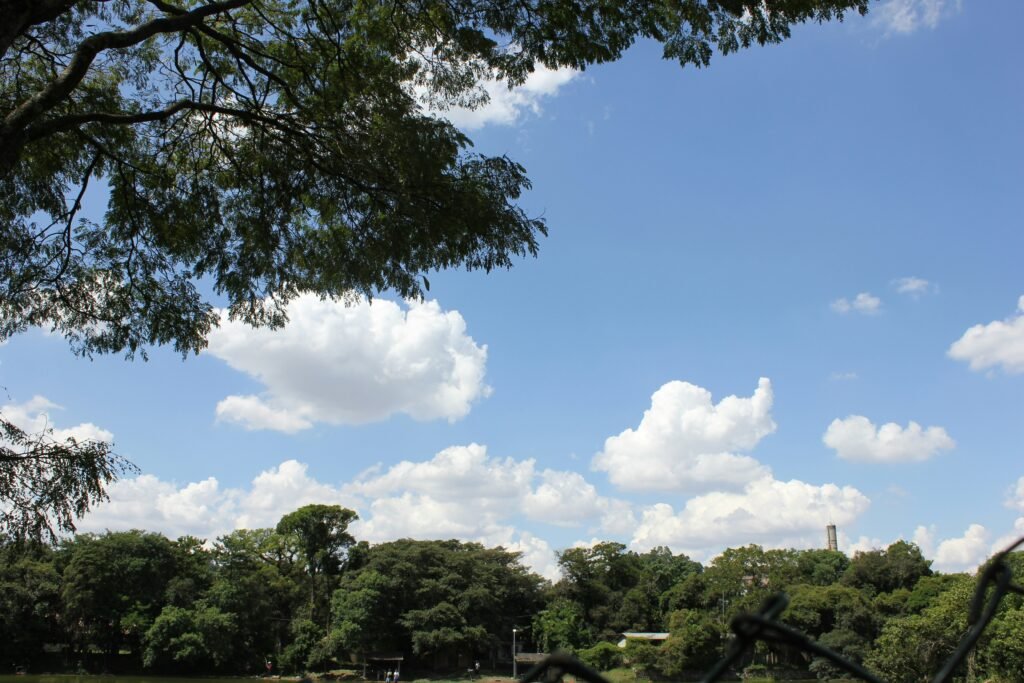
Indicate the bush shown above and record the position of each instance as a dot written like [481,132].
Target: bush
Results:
[756,673]
[641,654]
[603,656]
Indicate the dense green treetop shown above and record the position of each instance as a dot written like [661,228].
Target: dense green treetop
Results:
[115,586]
[269,147]
[427,597]
[191,607]
[898,566]
[320,532]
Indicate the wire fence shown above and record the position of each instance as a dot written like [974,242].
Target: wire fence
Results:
[995,581]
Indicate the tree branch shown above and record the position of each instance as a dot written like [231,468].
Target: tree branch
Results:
[70,122]
[58,90]
[19,15]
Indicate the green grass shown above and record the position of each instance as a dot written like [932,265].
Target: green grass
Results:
[622,675]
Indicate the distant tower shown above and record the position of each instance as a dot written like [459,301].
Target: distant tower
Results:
[833,544]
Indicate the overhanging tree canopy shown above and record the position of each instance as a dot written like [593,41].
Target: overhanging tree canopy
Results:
[269,147]
[263,148]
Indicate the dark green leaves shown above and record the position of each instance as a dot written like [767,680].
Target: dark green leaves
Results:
[46,483]
[263,148]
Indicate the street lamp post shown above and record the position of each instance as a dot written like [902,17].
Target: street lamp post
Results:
[514,653]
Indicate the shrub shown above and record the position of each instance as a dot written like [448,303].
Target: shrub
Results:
[603,656]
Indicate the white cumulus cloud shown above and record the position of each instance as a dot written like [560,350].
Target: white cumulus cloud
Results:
[998,344]
[864,302]
[857,438]
[466,492]
[506,106]
[1016,497]
[1004,542]
[457,472]
[862,544]
[965,553]
[34,416]
[200,508]
[686,442]
[205,508]
[924,537]
[412,509]
[351,364]
[764,512]
[907,16]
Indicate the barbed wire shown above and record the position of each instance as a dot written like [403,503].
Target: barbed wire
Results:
[995,582]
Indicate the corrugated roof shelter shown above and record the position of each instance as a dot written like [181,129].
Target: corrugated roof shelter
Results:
[640,635]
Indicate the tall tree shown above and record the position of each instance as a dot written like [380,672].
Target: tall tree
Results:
[253,584]
[882,571]
[30,606]
[320,535]
[913,647]
[114,587]
[434,598]
[598,579]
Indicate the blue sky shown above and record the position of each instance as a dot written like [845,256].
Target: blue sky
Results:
[840,215]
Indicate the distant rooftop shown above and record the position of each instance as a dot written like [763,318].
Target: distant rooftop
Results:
[640,635]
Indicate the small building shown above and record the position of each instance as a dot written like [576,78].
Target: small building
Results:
[377,664]
[656,638]
[529,659]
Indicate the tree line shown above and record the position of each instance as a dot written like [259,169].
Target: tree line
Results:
[307,596]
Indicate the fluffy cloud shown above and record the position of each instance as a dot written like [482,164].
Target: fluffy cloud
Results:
[999,343]
[253,413]
[279,490]
[1015,501]
[965,553]
[924,537]
[145,502]
[857,438]
[567,499]
[33,416]
[862,303]
[1004,542]
[685,442]
[457,472]
[564,498]
[207,510]
[461,492]
[915,287]
[505,106]
[462,489]
[352,364]
[765,511]
[1016,497]
[861,544]
[537,553]
[907,16]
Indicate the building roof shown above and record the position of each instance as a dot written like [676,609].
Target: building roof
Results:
[641,635]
